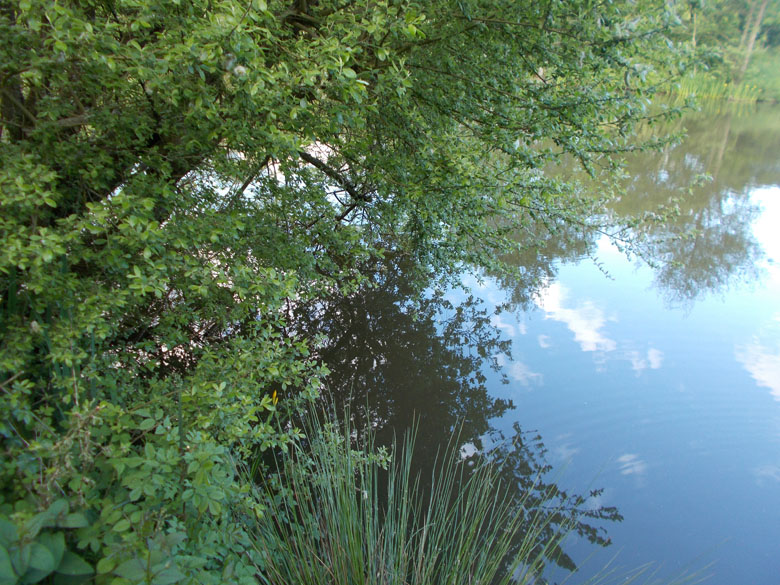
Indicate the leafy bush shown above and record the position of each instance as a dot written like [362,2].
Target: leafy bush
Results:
[32,554]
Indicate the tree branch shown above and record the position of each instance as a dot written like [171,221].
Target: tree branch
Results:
[343,181]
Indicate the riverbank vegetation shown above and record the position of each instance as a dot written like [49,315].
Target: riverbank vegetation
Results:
[359,515]
[178,178]
[736,44]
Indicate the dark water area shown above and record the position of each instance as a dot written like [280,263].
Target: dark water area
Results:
[646,398]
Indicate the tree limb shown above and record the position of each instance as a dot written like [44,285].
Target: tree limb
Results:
[343,181]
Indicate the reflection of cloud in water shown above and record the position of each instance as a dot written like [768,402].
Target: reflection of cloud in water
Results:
[585,321]
[655,357]
[631,464]
[763,363]
[652,360]
[488,289]
[467,450]
[544,341]
[767,474]
[511,330]
[765,227]
[518,371]
[565,451]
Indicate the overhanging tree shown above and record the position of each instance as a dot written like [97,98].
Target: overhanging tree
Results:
[175,174]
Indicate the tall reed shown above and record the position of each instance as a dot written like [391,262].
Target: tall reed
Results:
[345,520]
[707,88]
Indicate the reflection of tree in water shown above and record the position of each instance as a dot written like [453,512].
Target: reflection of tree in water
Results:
[409,355]
[718,250]
[521,459]
[400,357]
[540,250]
[709,243]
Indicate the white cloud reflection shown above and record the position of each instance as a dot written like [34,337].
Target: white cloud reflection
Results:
[652,360]
[763,363]
[765,228]
[585,320]
[565,450]
[518,371]
[498,322]
[767,474]
[631,464]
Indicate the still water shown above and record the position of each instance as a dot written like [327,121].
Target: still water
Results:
[657,386]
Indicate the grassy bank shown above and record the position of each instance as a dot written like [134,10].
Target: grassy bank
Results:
[761,82]
[708,88]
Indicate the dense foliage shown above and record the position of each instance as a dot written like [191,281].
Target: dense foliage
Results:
[177,176]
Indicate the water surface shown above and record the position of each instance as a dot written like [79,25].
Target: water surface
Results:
[660,385]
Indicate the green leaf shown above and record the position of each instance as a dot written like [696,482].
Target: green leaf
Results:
[122,525]
[46,518]
[105,565]
[57,508]
[168,576]
[75,520]
[7,574]
[8,533]
[73,564]
[133,570]
[55,543]
[147,424]
[33,576]
[41,558]
[20,557]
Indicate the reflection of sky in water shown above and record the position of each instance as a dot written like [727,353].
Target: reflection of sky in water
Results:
[518,371]
[763,363]
[767,226]
[761,356]
[585,320]
[674,410]
[631,464]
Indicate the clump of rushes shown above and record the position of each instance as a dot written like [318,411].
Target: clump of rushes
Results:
[356,516]
[707,88]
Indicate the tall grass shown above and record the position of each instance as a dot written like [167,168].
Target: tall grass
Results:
[346,519]
[352,522]
[709,88]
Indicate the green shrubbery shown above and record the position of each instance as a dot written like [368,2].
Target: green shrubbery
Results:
[176,176]
[129,397]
